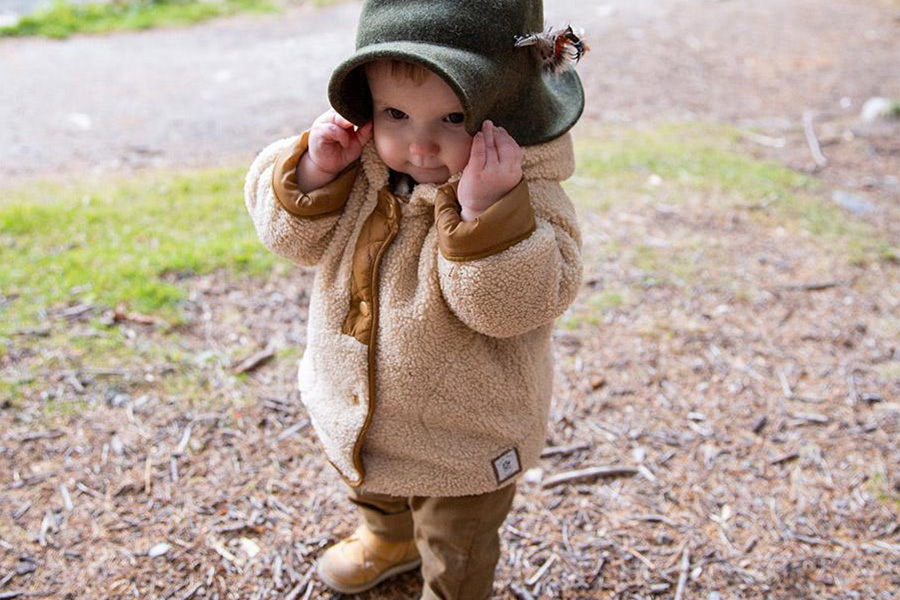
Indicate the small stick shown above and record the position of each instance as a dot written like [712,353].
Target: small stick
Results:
[309,590]
[640,557]
[519,592]
[599,569]
[811,417]
[653,519]
[41,435]
[806,399]
[300,587]
[811,287]
[21,511]
[185,439]
[254,361]
[88,490]
[292,429]
[589,474]
[812,141]
[683,574]
[67,499]
[852,392]
[785,386]
[190,593]
[784,458]
[541,571]
[564,450]
[148,475]
[764,140]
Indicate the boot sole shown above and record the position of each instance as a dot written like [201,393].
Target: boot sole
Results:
[346,589]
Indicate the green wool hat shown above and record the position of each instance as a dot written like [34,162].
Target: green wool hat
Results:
[472,46]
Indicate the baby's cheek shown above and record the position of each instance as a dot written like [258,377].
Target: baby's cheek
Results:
[461,156]
[389,151]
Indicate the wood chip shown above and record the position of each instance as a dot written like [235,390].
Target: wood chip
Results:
[760,423]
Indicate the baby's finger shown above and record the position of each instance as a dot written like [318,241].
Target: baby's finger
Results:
[341,122]
[490,146]
[508,150]
[325,117]
[477,153]
[335,133]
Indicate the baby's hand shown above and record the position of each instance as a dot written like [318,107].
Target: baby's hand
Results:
[333,144]
[494,168]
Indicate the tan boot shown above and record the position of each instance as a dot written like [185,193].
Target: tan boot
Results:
[363,560]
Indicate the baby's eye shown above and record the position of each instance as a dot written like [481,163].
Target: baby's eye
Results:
[456,118]
[396,113]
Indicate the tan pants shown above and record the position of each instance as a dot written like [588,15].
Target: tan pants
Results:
[458,538]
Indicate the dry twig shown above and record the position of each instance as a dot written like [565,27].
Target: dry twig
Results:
[589,474]
[683,573]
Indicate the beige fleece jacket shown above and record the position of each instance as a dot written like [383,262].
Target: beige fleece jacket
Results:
[428,367]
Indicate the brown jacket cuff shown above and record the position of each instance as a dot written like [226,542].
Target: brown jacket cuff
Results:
[327,200]
[506,222]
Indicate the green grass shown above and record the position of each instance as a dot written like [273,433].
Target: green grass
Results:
[697,157]
[879,487]
[129,241]
[62,19]
[697,162]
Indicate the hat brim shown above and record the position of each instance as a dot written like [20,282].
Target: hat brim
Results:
[545,106]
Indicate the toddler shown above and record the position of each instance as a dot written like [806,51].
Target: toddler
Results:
[429,201]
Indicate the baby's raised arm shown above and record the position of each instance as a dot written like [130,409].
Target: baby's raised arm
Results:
[297,187]
[493,170]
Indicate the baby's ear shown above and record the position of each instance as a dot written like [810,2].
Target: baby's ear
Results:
[364,133]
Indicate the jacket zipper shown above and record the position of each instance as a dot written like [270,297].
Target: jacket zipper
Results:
[393,228]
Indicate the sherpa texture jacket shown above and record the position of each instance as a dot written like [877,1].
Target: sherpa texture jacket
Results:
[428,367]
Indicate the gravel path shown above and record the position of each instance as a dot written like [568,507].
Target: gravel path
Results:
[217,92]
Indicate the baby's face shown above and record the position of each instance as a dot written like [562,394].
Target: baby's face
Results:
[418,128]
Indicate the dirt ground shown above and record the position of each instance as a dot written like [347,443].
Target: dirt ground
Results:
[751,404]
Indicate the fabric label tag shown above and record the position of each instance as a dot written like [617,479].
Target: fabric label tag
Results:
[506,465]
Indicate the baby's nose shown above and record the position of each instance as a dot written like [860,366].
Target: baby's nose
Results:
[423,147]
